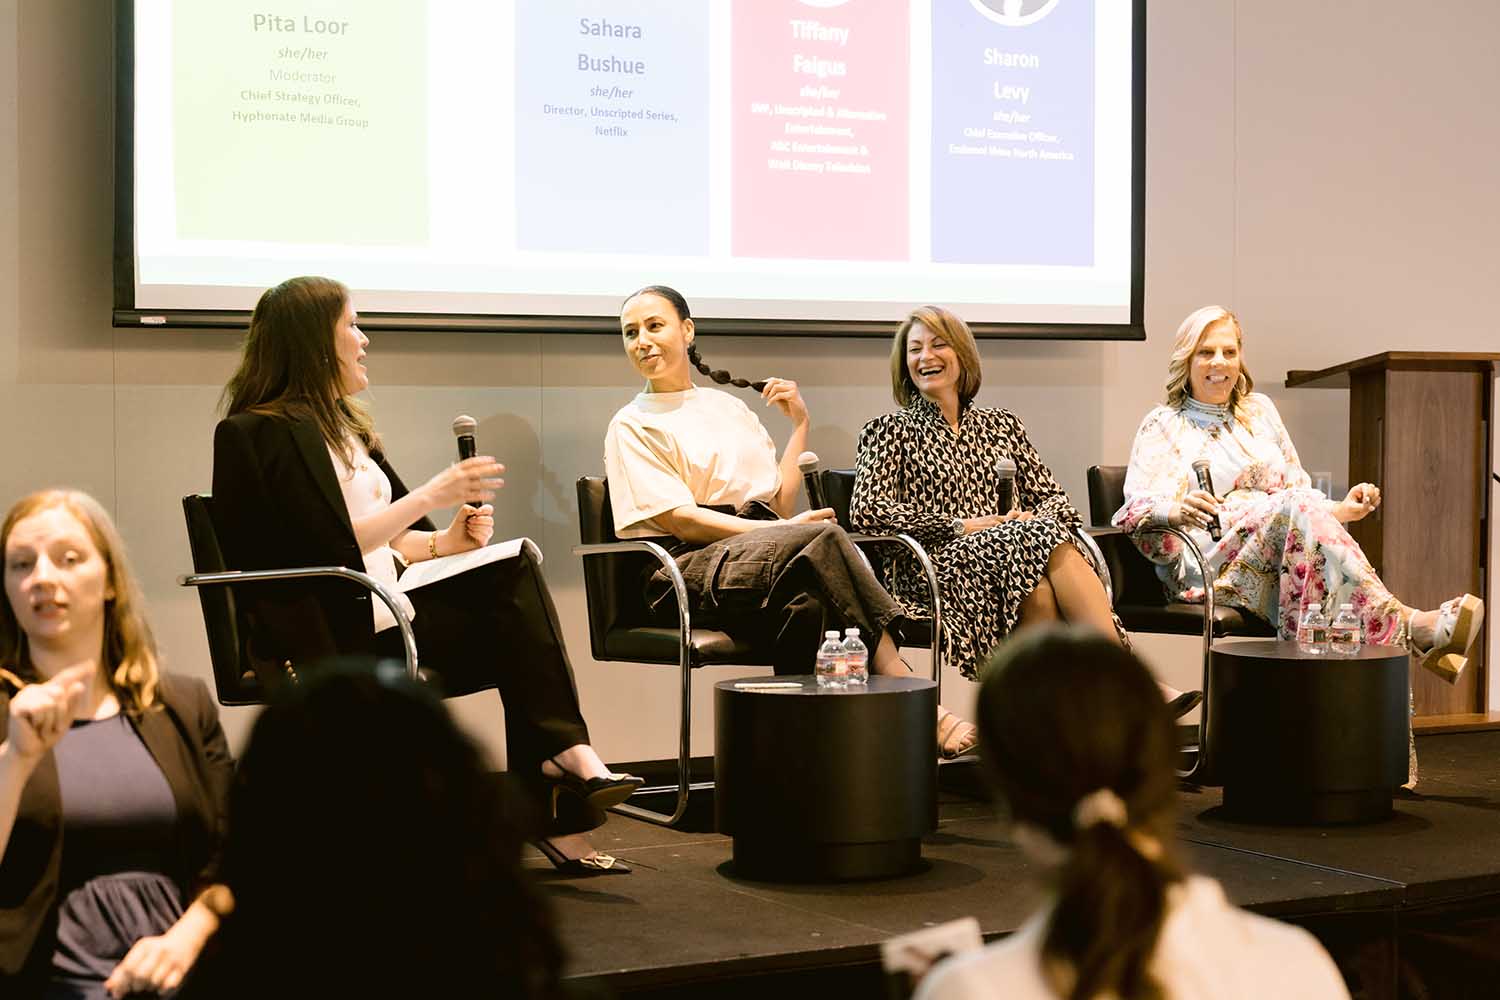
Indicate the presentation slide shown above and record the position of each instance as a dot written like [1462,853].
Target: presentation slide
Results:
[801,160]
[622,125]
[820,130]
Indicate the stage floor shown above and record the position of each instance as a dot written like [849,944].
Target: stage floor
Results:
[1409,906]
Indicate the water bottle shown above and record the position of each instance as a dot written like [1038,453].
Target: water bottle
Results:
[856,658]
[1312,632]
[831,670]
[1344,634]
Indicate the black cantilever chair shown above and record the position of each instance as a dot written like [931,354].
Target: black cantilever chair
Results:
[621,629]
[228,631]
[1142,603]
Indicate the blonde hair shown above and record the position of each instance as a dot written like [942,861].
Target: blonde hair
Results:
[128,657]
[1186,345]
[952,329]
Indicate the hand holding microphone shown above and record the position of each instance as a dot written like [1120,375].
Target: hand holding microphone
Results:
[812,486]
[1200,508]
[472,480]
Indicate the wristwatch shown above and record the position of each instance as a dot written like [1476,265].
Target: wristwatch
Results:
[958,526]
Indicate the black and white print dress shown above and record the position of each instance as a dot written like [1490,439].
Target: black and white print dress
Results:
[914,474]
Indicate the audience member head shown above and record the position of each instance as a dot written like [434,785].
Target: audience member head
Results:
[69,591]
[934,352]
[370,852]
[304,357]
[658,333]
[1080,746]
[1208,361]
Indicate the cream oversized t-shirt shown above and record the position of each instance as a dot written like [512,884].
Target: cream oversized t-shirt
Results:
[664,450]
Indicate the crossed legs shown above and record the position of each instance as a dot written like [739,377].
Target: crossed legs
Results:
[1069,591]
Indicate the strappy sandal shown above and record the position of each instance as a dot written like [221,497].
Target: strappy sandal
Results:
[955,736]
[1457,627]
[594,864]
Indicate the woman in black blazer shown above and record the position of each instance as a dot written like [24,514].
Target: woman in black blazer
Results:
[300,479]
[114,777]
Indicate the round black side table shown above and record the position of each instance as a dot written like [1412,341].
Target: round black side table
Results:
[817,785]
[1303,738]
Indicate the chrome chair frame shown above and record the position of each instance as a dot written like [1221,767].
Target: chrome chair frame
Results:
[231,577]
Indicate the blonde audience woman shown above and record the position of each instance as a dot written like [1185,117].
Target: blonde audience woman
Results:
[114,775]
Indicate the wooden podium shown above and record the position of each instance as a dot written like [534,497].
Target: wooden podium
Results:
[1420,429]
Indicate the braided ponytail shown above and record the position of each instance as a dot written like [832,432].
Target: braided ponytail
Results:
[679,304]
[719,375]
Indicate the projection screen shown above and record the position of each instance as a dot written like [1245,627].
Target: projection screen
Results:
[792,166]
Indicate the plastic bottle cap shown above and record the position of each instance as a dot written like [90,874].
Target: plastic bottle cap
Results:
[831,634]
[851,631]
[1346,607]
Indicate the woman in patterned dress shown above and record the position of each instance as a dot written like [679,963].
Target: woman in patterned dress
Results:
[929,470]
[1284,544]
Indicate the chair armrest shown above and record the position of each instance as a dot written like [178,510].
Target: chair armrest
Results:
[1096,555]
[674,572]
[1101,530]
[919,552]
[408,638]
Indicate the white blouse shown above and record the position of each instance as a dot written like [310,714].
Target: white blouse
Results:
[367,490]
[1208,950]
[665,450]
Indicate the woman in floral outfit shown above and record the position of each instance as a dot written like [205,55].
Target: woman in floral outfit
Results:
[1284,544]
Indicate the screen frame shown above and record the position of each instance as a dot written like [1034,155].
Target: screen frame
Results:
[126,314]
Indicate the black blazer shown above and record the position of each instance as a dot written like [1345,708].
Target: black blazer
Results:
[187,743]
[277,504]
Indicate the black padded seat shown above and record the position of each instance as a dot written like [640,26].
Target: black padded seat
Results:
[1187,619]
[652,644]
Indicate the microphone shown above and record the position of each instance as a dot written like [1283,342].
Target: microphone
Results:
[1206,484]
[463,430]
[1005,469]
[807,464]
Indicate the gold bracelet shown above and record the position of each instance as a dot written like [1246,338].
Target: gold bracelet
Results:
[432,545]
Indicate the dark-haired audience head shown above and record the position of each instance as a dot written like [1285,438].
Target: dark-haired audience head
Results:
[1082,751]
[370,853]
[67,578]
[934,351]
[658,333]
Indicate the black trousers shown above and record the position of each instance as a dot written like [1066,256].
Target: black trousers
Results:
[495,626]
[779,588]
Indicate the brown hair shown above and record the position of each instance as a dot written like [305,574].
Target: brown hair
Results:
[952,329]
[1186,345]
[129,658]
[1066,715]
[289,365]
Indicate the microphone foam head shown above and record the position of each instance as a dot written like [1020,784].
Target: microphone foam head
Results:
[808,461]
[464,424]
[1005,467]
[1201,465]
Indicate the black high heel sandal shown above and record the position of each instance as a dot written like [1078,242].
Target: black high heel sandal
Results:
[601,793]
[599,864]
